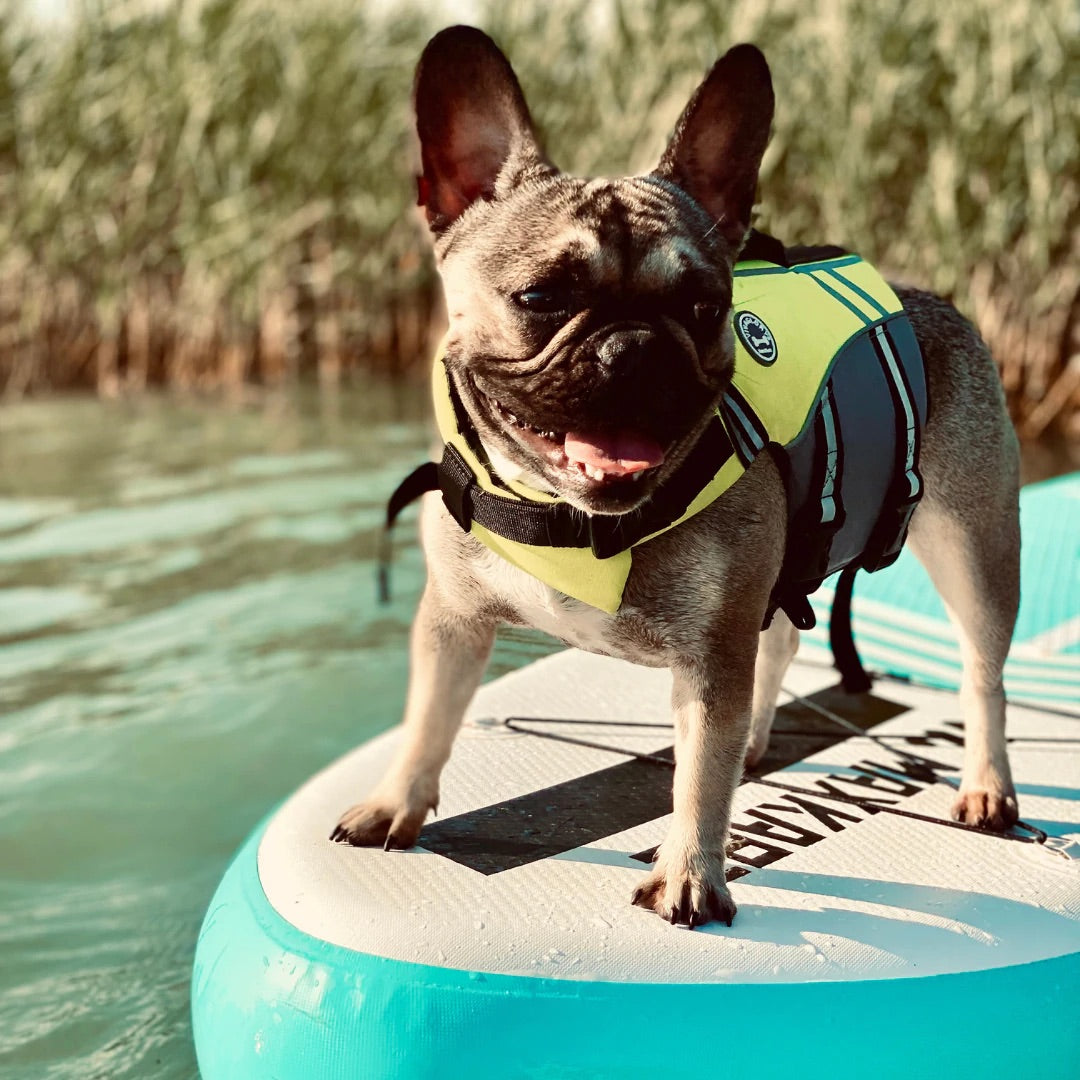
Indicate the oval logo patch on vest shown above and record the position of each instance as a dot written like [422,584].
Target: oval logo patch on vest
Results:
[756,337]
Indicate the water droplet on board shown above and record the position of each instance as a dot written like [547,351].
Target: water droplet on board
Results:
[485,722]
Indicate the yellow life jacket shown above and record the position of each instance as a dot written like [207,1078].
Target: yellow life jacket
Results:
[823,352]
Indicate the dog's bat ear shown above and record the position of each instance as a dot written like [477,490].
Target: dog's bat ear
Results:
[715,153]
[472,122]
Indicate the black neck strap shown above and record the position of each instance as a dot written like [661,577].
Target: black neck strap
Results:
[558,524]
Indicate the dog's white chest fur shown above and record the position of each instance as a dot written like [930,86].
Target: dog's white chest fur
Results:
[534,603]
[544,608]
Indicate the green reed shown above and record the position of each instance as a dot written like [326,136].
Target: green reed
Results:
[216,194]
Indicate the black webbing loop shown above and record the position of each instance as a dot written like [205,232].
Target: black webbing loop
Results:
[420,480]
[559,524]
[761,247]
[796,606]
[845,655]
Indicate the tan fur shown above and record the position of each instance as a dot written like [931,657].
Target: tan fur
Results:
[696,595]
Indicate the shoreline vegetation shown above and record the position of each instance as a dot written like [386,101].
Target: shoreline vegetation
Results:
[206,196]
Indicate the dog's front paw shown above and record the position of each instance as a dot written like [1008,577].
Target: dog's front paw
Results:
[687,891]
[389,819]
[990,807]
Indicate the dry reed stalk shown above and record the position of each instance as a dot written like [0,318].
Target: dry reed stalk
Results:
[276,346]
[106,369]
[328,337]
[194,195]
[1063,395]
[138,326]
[231,370]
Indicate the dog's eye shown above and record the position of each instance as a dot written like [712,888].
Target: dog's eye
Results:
[709,312]
[544,301]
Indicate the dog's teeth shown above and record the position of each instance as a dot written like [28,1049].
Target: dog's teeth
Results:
[638,475]
[597,473]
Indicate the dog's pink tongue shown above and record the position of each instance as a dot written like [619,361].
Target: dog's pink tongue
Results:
[618,455]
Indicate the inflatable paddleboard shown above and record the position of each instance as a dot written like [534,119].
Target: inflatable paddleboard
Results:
[873,937]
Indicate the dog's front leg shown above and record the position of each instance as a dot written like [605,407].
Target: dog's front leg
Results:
[448,654]
[712,718]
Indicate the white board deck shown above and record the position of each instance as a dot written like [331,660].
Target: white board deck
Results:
[877,897]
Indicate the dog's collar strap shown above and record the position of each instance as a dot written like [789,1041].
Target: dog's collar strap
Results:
[557,524]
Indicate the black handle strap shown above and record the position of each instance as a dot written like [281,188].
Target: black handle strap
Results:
[845,655]
[420,480]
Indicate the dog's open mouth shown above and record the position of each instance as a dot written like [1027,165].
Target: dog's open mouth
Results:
[597,458]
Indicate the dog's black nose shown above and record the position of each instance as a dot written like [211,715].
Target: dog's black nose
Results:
[626,351]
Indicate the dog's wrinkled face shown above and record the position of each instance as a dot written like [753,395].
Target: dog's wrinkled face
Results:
[589,337]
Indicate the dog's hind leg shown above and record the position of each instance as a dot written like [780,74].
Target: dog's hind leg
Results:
[776,647]
[974,562]
[966,532]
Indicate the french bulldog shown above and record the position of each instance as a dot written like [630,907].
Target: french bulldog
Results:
[589,344]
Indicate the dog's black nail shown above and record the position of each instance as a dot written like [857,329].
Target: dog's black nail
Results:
[693,920]
[686,905]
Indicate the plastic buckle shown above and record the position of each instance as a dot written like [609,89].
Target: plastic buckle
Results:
[456,481]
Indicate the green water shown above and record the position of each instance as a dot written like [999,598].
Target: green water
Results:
[188,630]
